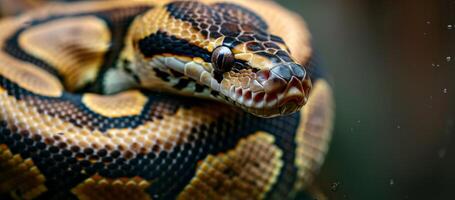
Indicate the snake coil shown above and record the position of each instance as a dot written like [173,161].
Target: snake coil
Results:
[160,100]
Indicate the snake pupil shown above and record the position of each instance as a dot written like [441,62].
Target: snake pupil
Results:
[222,59]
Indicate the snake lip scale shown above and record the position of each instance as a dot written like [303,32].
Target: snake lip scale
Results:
[153,99]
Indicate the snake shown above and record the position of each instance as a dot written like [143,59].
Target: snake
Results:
[152,99]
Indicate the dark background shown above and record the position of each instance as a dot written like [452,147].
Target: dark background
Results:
[393,67]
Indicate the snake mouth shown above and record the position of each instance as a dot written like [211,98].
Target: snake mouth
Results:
[265,104]
[282,90]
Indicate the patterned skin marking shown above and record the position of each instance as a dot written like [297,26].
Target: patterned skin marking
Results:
[123,104]
[314,133]
[160,43]
[99,188]
[12,27]
[161,134]
[29,77]
[242,14]
[74,46]
[19,177]
[159,19]
[248,171]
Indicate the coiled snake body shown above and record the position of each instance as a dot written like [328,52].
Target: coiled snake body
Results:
[115,100]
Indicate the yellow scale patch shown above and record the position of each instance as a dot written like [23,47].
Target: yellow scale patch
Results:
[314,133]
[120,105]
[20,178]
[74,46]
[100,188]
[248,171]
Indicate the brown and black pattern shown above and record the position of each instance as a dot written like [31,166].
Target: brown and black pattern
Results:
[161,42]
[116,21]
[56,143]
[163,159]
[237,24]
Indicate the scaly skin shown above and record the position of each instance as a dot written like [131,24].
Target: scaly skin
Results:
[59,140]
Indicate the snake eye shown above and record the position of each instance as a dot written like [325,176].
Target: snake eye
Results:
[222,59]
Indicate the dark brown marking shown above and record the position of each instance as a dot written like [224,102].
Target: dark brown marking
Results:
[254,46]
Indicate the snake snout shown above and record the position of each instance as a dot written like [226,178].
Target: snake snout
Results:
[287,84]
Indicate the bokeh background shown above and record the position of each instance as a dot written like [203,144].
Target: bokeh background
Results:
[392,63]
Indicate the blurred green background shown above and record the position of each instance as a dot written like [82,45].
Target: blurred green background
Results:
[393,67]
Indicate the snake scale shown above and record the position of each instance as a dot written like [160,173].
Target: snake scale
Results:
[160,100]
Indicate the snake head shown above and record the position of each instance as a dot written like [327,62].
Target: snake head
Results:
[221,51]
[261,77]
